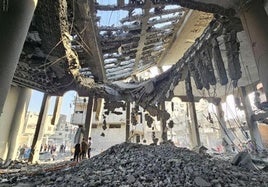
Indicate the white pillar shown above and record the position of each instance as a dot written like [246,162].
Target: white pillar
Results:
[163,123]
[18,122]
[6,120]
[40,129]
[194,127]
[128,121]
[15,19]
[195,136]
[89,116]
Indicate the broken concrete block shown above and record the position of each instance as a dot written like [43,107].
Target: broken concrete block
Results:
[243,159]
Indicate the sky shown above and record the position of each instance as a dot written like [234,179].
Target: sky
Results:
[67,103]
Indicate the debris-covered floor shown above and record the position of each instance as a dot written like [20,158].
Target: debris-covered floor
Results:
[130,164]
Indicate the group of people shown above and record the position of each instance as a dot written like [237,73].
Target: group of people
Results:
[48,148]
[82,150]
[137,2]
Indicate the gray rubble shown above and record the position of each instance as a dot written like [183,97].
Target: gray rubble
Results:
[128,164]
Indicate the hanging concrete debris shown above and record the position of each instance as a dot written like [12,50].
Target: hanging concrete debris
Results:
[198,59]
[90,56]
[149,120]
[218,62]
[206,56]
[98,58]
[195,74]
[111,106]
[203,71]
[232,51]
[133,117]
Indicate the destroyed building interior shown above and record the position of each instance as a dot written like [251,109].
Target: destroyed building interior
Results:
[135,55]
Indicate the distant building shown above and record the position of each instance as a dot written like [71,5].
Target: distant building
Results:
[30,126]
[61,133]
[109,129]
[104,135]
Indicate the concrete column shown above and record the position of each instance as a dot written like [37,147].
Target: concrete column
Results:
[188,126]
[18,122]
[255,23]
[6,120]
[127,121]
[78,135]
[252,125]
[195,137]
[163,124]
[57,110]
[89,116]
[99,109]
[40,130]
[225,134]
[15,19]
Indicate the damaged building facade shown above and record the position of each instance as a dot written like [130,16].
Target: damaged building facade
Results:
[213,48]
[111,127]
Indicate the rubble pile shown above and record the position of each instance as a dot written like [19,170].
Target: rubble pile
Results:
[130,164]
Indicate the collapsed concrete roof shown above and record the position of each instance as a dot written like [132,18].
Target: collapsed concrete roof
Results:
[68,49]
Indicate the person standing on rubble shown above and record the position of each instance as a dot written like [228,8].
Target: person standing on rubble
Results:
[77,152]
[84,148]
[89,147]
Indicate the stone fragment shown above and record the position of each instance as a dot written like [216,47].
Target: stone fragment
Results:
[199,181]
[131,179]
[244,160]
